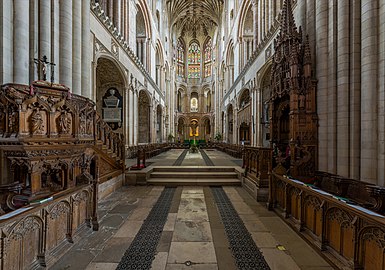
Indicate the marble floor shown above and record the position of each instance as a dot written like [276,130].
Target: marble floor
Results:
[193,236]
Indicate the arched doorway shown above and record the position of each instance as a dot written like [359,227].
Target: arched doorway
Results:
[110,86]
[230,124]
[144,118]
[207,129]
[181,130]
[244,117]
[159,124]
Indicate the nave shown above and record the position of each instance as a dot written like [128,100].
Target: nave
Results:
[197,230]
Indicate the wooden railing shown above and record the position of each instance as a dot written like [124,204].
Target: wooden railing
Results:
[347,234]
[233,150]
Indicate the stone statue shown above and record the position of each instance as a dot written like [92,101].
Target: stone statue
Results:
[37,126]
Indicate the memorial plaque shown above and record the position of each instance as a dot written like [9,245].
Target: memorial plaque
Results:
[112,114]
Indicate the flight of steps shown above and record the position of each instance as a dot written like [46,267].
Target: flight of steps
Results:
[199,175]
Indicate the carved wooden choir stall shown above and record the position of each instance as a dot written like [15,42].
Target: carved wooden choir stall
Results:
[55,149]
[342,218]
[293,100]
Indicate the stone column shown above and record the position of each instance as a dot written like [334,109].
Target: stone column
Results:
[77,48]
[369,94]
[56,39]
[332,90]
[110,5]
[136,117]
[126,116]
[65,64]
[381,98]
[255,23]
[343,88]
[260,17]
[117,14]
[45,32]
[86,50]
[322,87]
[355,90]
[21,42]
[259,117]
[131,116]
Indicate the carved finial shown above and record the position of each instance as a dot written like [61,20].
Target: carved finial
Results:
[287,22]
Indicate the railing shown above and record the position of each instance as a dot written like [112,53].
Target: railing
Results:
[347,234]
[30,236]
[233,150]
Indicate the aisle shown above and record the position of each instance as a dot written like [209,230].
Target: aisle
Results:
[193,235]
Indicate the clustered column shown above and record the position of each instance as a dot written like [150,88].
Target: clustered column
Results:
[65,51]
[21,48]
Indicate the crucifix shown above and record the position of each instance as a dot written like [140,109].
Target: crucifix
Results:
[42,63]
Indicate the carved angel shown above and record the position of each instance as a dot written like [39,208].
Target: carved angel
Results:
[65,122]
[37,126]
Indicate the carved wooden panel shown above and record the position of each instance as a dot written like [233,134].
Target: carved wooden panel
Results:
[346,235]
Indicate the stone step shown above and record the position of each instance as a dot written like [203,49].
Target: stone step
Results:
[194,182]
[193,169]
[194,174]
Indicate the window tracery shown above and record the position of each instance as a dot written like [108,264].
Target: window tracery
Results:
[194,61]
[208,58]
[180,57]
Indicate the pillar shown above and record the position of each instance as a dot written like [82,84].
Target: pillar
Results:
[77,47]
[21,42]
[56,39]
[135,117]
[126,114]
[131,116]
[343,88]
[45,32]
[322,86]
[332,90]
[86,50]
[255,23]
[369,75]
[65,52]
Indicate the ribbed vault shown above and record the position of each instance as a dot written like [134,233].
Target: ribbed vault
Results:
[194,15]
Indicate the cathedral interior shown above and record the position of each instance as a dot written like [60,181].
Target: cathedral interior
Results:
[192,134]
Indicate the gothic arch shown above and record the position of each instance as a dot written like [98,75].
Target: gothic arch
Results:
[245,8]
[110,81]
[144,107]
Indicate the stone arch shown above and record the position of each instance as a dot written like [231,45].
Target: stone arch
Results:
[264,86]
[111,82]
[230,123]
[230,64]
[181,129]
[159,123]
[144,107]
[194,102]
[206,128]
[143,33]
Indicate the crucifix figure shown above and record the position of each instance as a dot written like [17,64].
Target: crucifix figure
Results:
[42,63]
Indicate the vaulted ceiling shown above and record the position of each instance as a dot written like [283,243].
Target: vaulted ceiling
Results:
[194,15]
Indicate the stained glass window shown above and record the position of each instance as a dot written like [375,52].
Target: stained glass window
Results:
[208,57]
[194,61]
[180,58]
